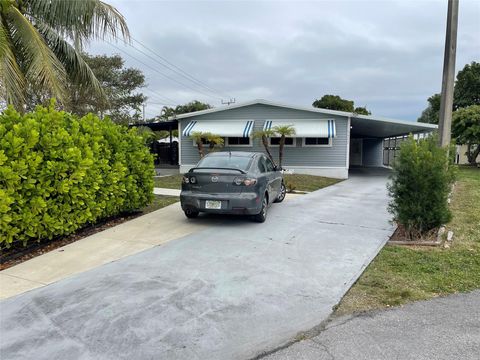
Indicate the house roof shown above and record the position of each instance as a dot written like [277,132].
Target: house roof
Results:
[362,125]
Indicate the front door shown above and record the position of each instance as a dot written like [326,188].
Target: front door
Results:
[356,148]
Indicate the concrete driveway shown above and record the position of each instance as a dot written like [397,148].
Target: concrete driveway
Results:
[231,291]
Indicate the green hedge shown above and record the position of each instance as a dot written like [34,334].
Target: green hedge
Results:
[420,183]
[59,173]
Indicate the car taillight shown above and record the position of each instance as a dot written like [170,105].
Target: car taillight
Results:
[242,181]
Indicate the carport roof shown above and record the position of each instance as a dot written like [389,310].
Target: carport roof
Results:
[362,125]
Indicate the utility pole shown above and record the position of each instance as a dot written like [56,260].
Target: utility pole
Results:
[143,105]
[446,102]
[228,102]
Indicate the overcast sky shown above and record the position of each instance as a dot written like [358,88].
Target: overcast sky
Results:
[386,55]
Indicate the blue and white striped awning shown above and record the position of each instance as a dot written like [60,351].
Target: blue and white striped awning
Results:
[306,128]
[225,128]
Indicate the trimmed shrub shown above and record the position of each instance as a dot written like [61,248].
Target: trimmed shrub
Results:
[420,184]
[59,173]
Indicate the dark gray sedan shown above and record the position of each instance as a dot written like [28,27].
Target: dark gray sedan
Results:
[232,183]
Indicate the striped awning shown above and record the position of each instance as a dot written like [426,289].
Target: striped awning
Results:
[226,128]
[306,128]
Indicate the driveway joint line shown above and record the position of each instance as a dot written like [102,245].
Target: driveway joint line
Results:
[21,278]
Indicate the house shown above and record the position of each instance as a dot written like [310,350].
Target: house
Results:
[326,142]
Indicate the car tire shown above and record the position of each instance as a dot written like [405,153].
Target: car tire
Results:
[262,215]
[283,193]
[191,214]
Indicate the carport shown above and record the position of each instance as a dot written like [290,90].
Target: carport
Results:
[374,141]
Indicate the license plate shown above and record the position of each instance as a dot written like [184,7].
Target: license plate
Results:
[212,204]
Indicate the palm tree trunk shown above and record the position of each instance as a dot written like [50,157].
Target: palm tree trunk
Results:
[280,150]
[200,149]
[267,150]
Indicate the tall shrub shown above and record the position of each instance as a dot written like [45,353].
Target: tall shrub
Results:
[59,173]
[419,187]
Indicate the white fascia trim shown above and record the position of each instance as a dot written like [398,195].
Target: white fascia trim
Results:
[349,124]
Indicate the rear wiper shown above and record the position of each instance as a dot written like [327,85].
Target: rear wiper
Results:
[216,168]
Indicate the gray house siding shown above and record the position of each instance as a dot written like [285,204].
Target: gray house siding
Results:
[294,157]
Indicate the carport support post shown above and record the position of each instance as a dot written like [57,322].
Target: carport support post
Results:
[446,102]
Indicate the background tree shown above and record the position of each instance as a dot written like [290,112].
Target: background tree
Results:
[264,135]
[466,130]
[123,102]
[335,102]
[283,132]
[36,38]
[467,86]
[431,114]
[466,93]
[192,106]
[362,110]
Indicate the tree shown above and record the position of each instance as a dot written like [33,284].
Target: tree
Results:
[41,42]
[466,93]
[264,135]
[192,106]
[123,102]
[334,102]
[467,86]
[214,141]
[362,110]
[283,132]
[466,130]
[431,114]
[198,137]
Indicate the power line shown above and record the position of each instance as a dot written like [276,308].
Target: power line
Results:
[158,71]
[169,65]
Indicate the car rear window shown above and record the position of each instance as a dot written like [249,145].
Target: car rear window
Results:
[235,162]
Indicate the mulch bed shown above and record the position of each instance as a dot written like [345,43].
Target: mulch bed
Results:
[18,253]
[402,237]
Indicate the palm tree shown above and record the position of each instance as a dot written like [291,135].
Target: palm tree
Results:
[214,141]
[283,131]
[198,138]
[41,43]
[264,135]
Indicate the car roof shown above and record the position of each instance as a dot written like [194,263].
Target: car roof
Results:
[234,153]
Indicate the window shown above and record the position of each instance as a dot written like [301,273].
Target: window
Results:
[238,141]
[270,166]
[317,141]
[275,141]
[262,165]
[226,161]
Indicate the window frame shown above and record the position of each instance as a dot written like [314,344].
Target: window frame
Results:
[227,141]
[294,141]
[330,142]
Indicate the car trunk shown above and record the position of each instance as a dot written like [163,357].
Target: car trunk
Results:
[216,182]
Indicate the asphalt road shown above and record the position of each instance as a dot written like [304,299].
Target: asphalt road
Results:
[230,291]
[443,328]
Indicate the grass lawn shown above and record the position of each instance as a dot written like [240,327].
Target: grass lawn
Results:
[169,182]
[160,201]
[300,182]
[308,182]
[402,274]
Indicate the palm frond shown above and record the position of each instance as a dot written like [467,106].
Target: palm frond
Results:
[79,20]
[11,76]
[42,66]
[78,71]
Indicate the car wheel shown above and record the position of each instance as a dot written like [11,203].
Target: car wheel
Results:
[191,214]
[262,215]
[283,193]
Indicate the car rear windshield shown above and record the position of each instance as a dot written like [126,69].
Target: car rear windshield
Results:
[222,162]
